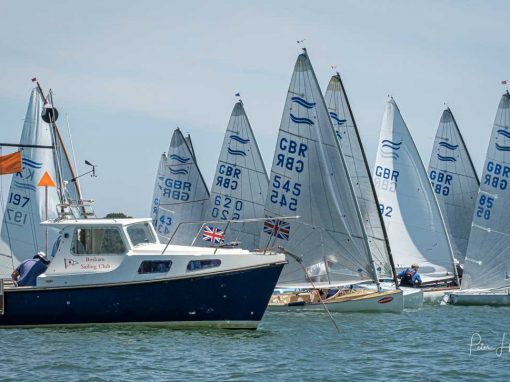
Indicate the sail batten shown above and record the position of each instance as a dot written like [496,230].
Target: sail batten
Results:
[487,262]
[25,208]
[309,178]
[407,203]
[180,193]
[352,149]
[240,183]
[454,181]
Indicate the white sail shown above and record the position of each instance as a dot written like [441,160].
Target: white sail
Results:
[25,206]
[309,178]
[158,189]
[410,212]
[455,182]
[240,183]
[488,255]
[181,193]
[190,145]
[354,156]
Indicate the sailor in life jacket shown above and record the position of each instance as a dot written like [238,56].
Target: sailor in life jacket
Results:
[410,277]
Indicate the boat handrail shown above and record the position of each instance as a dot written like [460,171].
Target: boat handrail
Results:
[227,222]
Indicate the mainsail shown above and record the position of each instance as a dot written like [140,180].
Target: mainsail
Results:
[412,217]
[455,182]
[180,193]
[309,178]
[488,254]
[25,208]
[240,183]
[190,145]
[354,156]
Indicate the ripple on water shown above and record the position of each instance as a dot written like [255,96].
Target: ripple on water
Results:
[433,342]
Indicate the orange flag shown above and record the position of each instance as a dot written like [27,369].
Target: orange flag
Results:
[10,163]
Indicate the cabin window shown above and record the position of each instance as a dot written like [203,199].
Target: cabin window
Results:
[141,233]
[154,266]
[195,265]
[97,241]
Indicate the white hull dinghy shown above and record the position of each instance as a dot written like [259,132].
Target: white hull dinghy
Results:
[351,146]
[344,300]
[328,244]
[486,278]
[413,220]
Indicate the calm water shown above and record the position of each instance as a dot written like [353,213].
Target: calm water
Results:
[429,344]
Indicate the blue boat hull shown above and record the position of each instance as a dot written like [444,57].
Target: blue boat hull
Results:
[236,299]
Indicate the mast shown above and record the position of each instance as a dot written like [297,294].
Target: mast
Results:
[372,186]
[353,195]
[464,144]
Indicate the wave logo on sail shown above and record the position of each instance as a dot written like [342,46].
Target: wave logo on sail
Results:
[505,134]
[236,152]
[448,145]
[389,149]
[179,158]
[303,102]
[301,121]
[181,171]
[24,186]
[237,138]
[446,158]
[31,163]
[334,116]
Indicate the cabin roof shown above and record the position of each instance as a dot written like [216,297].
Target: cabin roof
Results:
[93,222]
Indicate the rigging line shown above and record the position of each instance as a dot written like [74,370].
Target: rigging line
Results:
[313,285]
[71,143]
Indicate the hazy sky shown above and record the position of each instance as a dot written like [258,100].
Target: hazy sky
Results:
[128,72]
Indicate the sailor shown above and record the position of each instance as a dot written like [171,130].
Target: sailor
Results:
[26,273]
[410,276]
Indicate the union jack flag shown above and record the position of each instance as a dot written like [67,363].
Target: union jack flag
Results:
[213,234]
[278,228]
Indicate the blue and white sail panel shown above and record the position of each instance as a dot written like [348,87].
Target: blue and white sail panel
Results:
[180,193]
[488,255]
[190,145]
[21,232]
[240,182]
[158,189]
[309,179]
[454,181]
[352,149]
[409,208]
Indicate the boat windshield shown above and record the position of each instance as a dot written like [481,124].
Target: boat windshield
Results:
[140,234]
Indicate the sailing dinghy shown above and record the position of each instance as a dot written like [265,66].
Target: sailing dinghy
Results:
[454,181]
[353,152]
[180,193]
[43,151]
[486,279]
[240,184]
[309,179]
[409,208]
